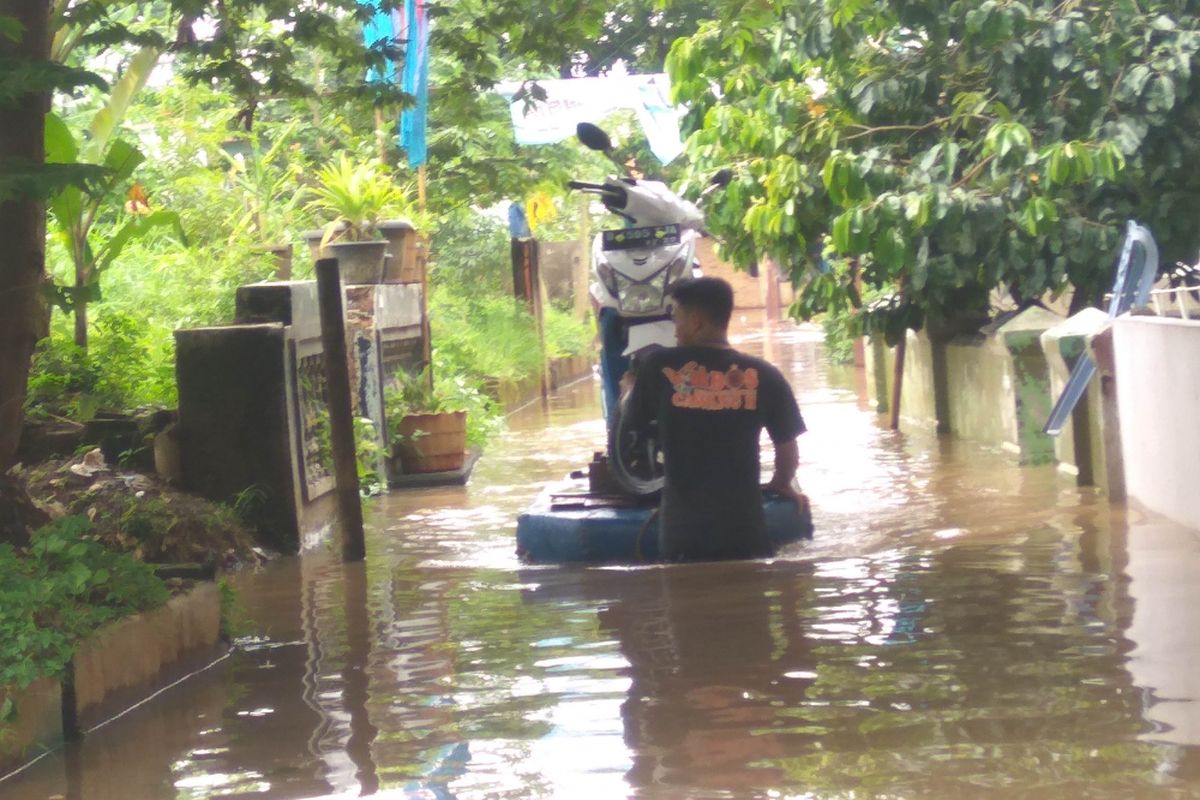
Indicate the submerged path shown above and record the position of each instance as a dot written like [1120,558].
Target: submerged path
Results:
[961,626]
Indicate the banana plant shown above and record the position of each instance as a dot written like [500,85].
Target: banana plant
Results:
[92,247]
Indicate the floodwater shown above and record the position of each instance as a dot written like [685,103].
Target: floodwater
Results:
[960,627]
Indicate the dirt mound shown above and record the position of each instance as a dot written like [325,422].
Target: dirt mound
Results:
[136,513]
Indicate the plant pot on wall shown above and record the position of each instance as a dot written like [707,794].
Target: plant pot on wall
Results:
[282,257]
[402,244]
[359,262]
[432,442]
[313,239]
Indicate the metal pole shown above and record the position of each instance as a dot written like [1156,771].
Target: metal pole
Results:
[341,417]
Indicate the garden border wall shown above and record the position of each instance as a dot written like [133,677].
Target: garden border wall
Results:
[114,669]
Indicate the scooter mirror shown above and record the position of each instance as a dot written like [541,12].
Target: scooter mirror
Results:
[722,178]
[593,137]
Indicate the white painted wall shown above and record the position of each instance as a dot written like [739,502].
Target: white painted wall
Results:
[1158,395]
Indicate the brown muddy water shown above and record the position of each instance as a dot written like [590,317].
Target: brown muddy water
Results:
[960,627]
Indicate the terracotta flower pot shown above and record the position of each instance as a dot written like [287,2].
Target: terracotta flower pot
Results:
[432,442]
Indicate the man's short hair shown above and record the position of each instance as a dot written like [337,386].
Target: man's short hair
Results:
[712,296]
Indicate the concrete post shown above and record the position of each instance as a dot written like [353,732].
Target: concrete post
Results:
[1079,448]
[1101,346]
[341,415]
[1021,337]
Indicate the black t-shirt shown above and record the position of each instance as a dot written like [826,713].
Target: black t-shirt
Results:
[711,404]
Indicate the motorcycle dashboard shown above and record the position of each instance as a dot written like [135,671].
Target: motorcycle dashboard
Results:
[640,238]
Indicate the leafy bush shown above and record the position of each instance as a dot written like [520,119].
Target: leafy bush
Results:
[60,591]
[470,252]
[567,336]
[484,336]
[840,333]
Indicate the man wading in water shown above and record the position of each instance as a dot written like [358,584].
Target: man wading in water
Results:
[711,403]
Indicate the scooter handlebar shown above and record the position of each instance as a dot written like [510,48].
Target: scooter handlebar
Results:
[614,197]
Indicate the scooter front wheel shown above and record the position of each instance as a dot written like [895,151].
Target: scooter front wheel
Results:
[634,457]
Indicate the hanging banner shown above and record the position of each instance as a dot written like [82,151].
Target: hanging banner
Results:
[570,101]
[413,28]
[410,26]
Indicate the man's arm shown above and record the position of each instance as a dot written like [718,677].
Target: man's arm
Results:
[784,424]
[787,460]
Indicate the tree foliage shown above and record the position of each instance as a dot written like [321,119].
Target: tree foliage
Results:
[946,147]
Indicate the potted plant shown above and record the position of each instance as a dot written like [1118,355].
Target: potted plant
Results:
[427,432]
[403,245]
[357,196]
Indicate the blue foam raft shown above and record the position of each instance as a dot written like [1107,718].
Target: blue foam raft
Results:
[564,527]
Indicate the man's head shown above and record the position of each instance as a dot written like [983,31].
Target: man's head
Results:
[702,309]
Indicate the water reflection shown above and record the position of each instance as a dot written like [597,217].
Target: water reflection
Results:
[961,626]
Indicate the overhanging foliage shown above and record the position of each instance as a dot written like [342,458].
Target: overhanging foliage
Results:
[946,147]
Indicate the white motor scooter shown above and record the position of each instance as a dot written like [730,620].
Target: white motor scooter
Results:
[633,269]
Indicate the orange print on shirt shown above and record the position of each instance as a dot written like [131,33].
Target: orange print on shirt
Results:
[735,389]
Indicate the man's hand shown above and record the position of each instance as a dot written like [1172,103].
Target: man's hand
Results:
[789,490]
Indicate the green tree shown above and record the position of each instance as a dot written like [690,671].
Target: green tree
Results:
[252,48]
[946,147]
[266,54]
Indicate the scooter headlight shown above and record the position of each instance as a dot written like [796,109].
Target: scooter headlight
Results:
[640,298]
[649,295]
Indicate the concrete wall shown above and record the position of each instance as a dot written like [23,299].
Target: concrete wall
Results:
[993,388]
[234,420]
[1158,396]
[748,292]
[558,262]
[980,378]
[1080,448]
[36,726]
[120,664]
[920,386]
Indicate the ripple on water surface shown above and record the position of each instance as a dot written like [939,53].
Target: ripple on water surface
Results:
[960,627]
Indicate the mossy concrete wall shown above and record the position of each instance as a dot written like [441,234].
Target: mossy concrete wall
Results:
[235,430]
[562,371]
[115,668]
[923,384]
[37,724]
[980,380]
[919,403]
[993,388]
[1080,448]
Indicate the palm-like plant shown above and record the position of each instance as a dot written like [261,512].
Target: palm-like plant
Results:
[359,196]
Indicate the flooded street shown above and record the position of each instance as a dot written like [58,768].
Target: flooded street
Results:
[960,626]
